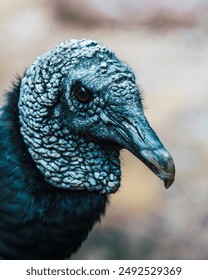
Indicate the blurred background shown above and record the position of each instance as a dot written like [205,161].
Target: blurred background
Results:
[166,43]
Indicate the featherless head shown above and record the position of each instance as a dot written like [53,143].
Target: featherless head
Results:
[79,106]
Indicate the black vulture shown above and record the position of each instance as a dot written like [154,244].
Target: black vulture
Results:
[61,131]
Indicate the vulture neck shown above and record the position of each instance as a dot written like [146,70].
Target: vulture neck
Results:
[38,221]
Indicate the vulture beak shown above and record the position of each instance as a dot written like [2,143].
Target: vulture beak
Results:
[135,134]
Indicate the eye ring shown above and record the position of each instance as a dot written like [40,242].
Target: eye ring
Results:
[82,94]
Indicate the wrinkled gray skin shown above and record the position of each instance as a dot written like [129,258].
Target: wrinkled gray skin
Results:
[76,145]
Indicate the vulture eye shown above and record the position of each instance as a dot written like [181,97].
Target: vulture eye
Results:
[82,94]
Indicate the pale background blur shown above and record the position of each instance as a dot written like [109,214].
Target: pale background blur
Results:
[166,44]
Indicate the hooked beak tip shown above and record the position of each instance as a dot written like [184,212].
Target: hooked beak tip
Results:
[168,182]
[170,170]
[161,163]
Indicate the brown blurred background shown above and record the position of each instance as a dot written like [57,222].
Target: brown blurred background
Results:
[166,44]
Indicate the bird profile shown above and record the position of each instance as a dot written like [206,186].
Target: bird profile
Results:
[62,129]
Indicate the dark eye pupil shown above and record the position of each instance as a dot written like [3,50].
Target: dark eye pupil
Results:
[82,94]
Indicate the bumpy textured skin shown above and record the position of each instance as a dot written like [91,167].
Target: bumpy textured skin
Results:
[58,157]
[67,159]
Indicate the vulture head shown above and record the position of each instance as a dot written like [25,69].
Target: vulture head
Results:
[79,106]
